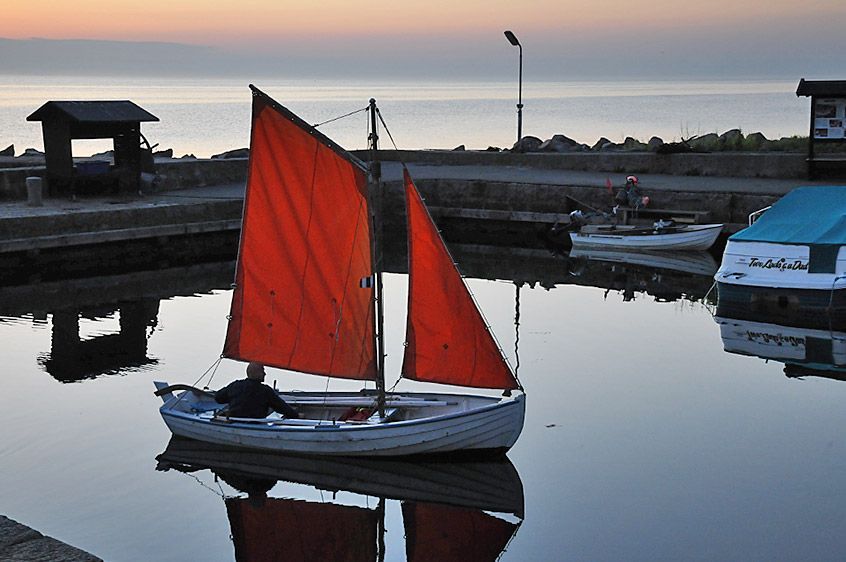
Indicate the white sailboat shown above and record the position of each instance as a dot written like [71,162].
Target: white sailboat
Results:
[307,298]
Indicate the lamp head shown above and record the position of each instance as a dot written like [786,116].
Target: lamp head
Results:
[512,38]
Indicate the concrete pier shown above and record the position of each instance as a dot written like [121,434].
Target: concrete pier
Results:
[503,191]
[62,223]
[19,542]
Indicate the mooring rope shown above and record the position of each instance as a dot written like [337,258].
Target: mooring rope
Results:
[830,308]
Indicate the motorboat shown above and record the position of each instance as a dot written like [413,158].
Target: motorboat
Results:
[792,251]
[661,236]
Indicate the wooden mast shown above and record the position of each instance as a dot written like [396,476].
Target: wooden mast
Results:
[375,193]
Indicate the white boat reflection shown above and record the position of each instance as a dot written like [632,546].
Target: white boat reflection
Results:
[804,351]
[666,276]
[452,509]
[695,263]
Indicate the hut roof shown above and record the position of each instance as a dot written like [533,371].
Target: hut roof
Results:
[834,88]
[113,111]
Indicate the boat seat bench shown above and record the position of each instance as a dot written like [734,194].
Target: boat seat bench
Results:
[374,418]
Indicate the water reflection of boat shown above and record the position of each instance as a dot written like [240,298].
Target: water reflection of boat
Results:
[696,263]
[786,307]
[667,276]
[447,507]
[804,351]
[493,484]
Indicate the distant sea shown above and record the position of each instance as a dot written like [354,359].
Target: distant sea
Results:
[208,116]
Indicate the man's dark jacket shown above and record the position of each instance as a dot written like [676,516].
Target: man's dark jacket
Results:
[252,399]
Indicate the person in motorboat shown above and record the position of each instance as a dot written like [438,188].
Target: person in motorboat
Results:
[251,398]
[630,195]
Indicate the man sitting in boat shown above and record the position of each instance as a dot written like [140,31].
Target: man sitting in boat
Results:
[630,195]
[251,398]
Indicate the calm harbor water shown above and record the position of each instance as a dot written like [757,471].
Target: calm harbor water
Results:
[644,438]
[205,117]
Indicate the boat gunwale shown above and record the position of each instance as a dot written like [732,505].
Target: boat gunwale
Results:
[500,404]
[634,230]
[696,238]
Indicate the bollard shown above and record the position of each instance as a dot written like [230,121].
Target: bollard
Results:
[34,192]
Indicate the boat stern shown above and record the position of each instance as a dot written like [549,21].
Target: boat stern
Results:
[783,266]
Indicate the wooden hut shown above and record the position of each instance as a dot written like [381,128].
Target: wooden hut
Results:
[64,121]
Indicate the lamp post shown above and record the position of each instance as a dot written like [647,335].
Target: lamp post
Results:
[513,40]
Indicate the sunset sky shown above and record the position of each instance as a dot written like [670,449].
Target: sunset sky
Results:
[559,36]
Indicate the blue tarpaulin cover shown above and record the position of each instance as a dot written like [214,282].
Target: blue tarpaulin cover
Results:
[809,216]
[806,215]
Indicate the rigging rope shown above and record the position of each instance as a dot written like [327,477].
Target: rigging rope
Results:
[339,117]
[213,369]
[390,136]
[219,492]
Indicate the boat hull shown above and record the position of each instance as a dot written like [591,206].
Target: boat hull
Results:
[778,266]
[693,237]
[487,424]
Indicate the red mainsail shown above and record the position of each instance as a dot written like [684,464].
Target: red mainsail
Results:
[305,247]
[447,339]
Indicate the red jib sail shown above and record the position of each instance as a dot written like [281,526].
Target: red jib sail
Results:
[305,247]
[447,340]
[437,532]
[291,530]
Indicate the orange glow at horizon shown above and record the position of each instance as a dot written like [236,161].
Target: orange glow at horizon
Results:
[248,21]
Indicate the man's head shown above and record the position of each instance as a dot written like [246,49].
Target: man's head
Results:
[255,371]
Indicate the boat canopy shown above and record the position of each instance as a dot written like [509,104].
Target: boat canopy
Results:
[807,215]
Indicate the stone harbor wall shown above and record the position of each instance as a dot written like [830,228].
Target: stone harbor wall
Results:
[731,154]
[19,542]
[731,141]
[772,165]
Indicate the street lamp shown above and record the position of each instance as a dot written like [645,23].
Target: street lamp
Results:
[513,40]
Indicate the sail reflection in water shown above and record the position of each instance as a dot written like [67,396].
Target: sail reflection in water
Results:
[453,510]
